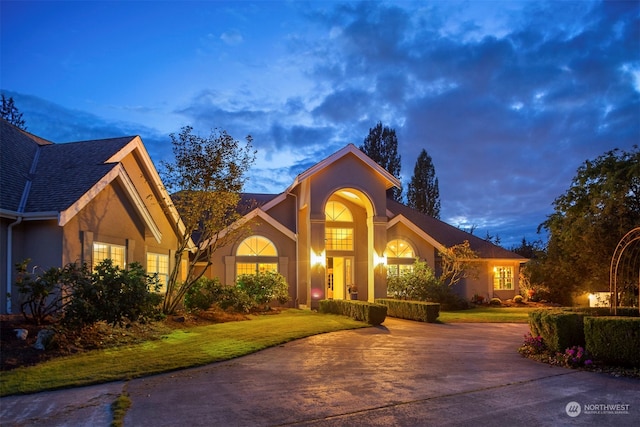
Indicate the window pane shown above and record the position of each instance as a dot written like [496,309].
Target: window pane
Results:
[245,268]
[102,251]
[503,278]
[256,246]
[399,248]
[159,264]
[267,267]
[336,211]
[339,239]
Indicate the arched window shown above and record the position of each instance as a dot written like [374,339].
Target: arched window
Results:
[400,257]
[336,211]
[256,246]
[398,248]
[256,254]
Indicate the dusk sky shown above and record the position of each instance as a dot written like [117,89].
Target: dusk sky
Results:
[508,98]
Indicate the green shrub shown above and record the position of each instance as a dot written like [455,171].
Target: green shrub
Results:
[202,294]
[517,299]
[421,284]
[495,301]
[559,329]
[613,340]
[264,287]
[373,314]
[412,310]
[112,295]
[40,294]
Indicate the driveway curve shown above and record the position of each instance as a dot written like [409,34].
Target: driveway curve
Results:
[402,373]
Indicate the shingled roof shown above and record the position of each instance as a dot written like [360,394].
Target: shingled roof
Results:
[50,177]
[449,235]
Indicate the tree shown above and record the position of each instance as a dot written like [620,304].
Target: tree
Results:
[381,145]
[458,263]
[205,180]
[10,113]
[600,206]
[423,193]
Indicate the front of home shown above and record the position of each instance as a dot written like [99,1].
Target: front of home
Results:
[334,231]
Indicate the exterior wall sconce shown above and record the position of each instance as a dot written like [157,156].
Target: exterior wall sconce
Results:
[379,260]
[318,259]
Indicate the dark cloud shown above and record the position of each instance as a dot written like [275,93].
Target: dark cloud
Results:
[508,100]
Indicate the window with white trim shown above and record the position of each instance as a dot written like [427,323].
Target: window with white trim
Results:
[116,253]
[502,278]
[159,264]
[400,257]
[256,254]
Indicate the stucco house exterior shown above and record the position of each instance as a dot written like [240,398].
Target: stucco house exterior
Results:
[80,202]
[334,229]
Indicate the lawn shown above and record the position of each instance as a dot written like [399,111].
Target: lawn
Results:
[487,315]
[177,350]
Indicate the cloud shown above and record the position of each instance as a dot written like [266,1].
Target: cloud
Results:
[232,37]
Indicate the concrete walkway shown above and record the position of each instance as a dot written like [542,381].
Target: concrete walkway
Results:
[400,374]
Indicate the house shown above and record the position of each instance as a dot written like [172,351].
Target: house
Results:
[334,230]
[80,202]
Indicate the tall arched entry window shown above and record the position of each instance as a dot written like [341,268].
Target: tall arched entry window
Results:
[256,254]
[400,257]
[339,245]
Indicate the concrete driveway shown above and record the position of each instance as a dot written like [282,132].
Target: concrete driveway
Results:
[400,374]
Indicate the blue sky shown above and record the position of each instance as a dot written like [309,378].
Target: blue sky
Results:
[508,98]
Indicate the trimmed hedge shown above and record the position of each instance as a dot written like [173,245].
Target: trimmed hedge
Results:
[412,310]
[373,314]
[614,340]
[559,329]
[605,311]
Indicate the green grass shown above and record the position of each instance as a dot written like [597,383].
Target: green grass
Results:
[180,349]
[487,315]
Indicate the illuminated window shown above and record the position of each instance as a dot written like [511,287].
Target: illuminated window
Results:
[159,264]
[339,239]
[102,251]
[336,211]
[503,278]
[256,268]
[256,246]
[256,254]
[398,248]
[400,257]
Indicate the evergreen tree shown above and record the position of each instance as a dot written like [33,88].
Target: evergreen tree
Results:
[10,113]
[423,194]
[382,146]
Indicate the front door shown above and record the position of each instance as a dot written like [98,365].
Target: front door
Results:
[339,277]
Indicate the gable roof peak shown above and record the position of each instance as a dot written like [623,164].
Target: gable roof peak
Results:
[350,148]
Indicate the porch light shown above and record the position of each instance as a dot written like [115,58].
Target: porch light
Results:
[318,258]
[379,260]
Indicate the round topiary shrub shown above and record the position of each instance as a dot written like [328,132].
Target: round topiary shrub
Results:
[495,301]
[517,299]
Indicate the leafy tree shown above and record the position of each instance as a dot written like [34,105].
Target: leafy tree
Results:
[423,193]
[381,144]
[458,263]
[601,205]
[206,179]
[10,113]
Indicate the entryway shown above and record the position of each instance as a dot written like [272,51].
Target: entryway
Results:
[339,277]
